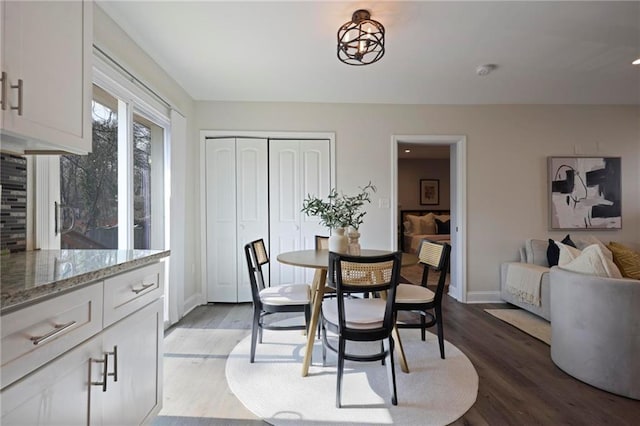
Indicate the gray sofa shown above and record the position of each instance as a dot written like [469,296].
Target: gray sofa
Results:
[533,252]
[595,335]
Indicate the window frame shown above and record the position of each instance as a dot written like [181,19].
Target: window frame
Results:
[132,100]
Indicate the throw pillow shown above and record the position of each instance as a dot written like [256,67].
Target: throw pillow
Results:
[567,253]
[443,227]
[593,261]
[587,240]
[416,227]
[627,260]
[553,253]
[428,224]
[567,241]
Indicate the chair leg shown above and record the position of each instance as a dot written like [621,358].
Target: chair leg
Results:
[341,350]
[440,330]
[423,326]
[255,329]
[391,372]
[324,342]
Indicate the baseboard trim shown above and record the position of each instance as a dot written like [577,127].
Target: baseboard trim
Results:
[193,302]
[484,297]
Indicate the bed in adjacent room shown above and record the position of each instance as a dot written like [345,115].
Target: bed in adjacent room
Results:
[415,225]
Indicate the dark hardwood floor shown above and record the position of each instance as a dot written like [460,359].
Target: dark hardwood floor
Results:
[519,384]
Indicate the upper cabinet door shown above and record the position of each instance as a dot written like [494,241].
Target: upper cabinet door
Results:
[47,58]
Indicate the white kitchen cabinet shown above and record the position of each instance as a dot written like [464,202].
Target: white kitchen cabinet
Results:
[46,75]
[237,213]
[59,394]
[135,342]
[82,374]
[297,168]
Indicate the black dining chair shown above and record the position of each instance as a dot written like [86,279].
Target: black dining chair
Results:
[418,298]
[361,320]
[271,300]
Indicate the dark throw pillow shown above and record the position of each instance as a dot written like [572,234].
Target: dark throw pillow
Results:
[567,241]
[443,227]
[553,253]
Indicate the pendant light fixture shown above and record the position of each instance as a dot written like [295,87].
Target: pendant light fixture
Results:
[361,40]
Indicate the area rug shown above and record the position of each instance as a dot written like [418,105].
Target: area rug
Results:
[525,321]
[435,392]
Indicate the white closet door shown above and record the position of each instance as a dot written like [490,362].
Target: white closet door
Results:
[285,205]
[222,247]
[315,180]
[252,208]
[296,169]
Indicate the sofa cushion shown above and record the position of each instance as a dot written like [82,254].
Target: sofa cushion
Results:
[536,251]
[627,260]
[592,261]
[587,240]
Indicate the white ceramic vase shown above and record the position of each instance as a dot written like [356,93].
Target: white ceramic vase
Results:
[338,242]
[353,237]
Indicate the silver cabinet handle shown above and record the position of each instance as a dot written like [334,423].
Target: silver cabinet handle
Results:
[58,328]
[19,87]
[104,361]
[143,288]
[3,93]
[115,363]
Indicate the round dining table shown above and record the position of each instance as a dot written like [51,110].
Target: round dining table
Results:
[319,260]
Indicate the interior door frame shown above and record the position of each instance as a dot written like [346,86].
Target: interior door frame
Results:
[202,297]
[458,162]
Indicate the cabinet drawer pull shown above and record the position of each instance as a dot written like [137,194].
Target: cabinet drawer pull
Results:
[3,94]
[58,328]
[115,363]
[104,361]
[143,288]
[19,87]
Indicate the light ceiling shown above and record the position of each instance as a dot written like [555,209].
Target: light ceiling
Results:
[564,52]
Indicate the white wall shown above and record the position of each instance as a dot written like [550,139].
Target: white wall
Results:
[411,171]
[507,148]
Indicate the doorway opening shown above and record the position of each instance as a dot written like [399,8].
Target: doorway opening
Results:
[456,145]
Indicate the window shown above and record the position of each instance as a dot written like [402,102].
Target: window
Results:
[114,196]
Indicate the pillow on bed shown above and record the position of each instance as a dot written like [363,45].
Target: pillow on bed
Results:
[443,227]
[415,224]
[428,224]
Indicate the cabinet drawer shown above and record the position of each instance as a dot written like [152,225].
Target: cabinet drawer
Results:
[130,291]
[37,334]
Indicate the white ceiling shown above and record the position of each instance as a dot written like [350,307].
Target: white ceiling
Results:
[565,52]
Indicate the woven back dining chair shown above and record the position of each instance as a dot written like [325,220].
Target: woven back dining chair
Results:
[418,298]
[271,300]
[361,320]
[321,242]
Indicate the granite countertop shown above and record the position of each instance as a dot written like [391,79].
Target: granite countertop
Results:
[31,276]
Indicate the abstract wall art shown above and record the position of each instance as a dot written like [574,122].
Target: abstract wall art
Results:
[584,193]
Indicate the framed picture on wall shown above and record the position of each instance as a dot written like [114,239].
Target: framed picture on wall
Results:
[584,193]
[429,192]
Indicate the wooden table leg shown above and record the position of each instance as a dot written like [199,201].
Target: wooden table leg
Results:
[317,294]
[400,350]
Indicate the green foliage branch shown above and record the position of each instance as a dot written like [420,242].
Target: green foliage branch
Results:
[339,210]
